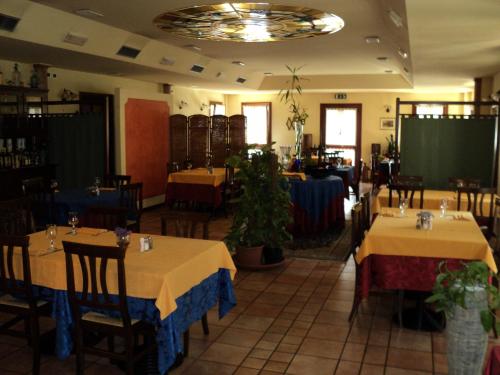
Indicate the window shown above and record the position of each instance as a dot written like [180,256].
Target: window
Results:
[258,122]
[435,110]
[217,108]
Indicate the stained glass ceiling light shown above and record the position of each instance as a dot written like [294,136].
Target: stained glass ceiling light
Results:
[248,22]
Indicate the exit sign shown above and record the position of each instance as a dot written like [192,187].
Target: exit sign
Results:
[340,95]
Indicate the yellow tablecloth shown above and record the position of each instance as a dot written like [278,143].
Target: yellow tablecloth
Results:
[301,175]
[432,200]
[165,273]
[455,236]
[199,176]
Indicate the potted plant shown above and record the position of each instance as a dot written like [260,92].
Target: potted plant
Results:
[298,114]
[467,298]
[262,213]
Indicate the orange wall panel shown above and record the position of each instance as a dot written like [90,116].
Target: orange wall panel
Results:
[147,146]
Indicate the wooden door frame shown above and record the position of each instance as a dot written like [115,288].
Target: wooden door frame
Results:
[322,130]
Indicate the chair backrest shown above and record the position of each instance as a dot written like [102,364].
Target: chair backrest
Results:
[185,223]
[106,217]
[408,180]
[476,200]
[459,182]
[131,197]
[13,222]
[366,215]
[42,199]
[116,180]
[406,191]
[22,205]
[357,226]
[496,225]
[93,290]
[8,278]
[358,173]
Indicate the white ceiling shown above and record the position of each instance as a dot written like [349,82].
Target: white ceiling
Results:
[449,43]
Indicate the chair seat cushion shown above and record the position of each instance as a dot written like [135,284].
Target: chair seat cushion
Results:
[104,319]
[9,300]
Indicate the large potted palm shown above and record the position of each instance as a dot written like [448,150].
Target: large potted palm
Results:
[262,210]
[468,298]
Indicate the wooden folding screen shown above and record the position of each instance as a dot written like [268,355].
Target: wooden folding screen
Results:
[237,141]
[198,139]
[178,138]
[218,140]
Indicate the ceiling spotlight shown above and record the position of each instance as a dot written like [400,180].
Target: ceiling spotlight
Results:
[193,47]
[372,40]
[167,61]
[76,39]
[388,71]
[382,58]
[403,53]
[268,74]
[395,18]
[240,63]
[88,13]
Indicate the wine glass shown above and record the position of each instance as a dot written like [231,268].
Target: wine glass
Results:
[51,233]
[403,205]
[73,221]
[443,205]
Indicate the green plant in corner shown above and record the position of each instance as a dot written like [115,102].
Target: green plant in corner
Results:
[453,287]
[289,96]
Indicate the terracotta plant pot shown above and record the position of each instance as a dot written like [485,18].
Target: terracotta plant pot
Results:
[249,256]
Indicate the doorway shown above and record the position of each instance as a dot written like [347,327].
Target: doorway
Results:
[340,129]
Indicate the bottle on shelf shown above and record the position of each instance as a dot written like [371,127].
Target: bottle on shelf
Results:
[16,76]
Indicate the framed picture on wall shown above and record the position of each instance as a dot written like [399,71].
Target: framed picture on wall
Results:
[387,123]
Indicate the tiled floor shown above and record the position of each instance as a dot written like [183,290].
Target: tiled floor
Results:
[292,320]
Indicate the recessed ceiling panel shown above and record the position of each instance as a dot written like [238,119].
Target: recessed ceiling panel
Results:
[248,22]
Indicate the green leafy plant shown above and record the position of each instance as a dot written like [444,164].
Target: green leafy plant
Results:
[289,96]
[262,213]
[452,286]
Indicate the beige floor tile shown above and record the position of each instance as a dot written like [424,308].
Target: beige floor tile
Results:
[209,368]
[404,339]
[348,368]
[328,332]
[408,359]
[240,337]
[255,363]
[353,352]
[400,371]
[321,348]
[281,357]
[256,323]
[246,371]
[307,365]
[260,353]
[223,353]
[367,369]
[375,355]
[276,366]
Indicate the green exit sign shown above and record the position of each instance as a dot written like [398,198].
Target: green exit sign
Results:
[340,95]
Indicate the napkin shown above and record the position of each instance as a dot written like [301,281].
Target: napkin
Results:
[460,217]
[91,231]
[47,252]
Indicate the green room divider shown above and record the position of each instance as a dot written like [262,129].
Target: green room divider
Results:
[438,148]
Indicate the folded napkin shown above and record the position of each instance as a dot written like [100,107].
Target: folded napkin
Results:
[387,214]
[460,217]
[47,252]
[91,231]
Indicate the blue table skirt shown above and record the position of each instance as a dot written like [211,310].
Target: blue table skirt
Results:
[349,170]
[190,308]
[314,196]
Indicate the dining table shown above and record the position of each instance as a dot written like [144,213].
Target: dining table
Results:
[318,205]
[395,255]
[346,173]
[171,286]
[196,185]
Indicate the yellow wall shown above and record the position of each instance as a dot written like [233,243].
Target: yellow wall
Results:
[372,110]
[194,99]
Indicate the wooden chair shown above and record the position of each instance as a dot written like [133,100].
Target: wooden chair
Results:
[185,224]
[131,198]
[106,217]
[375,172]
[357,179]
[476,205]
[42,201]
[357,234]
[408,180]
[407,192]
[24,306]
[458,182]
[13,222]
[366,215]
[94,260]
[116,180]
[231,189]
[496,227]
[23,218]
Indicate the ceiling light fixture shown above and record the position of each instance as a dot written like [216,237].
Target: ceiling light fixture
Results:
[382,58]
[89,13]
[388,71]
[395,18]
[372,40]
[76,39]
[167,61]
[268,74]
[240,63]
[248,22]
[403,53]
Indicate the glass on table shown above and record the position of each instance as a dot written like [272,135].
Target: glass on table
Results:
[403,205]
[73,221]
[443,206]
[51,233]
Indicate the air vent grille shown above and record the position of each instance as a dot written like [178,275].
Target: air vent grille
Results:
[7,22]
[197,68]
[241,80]
[75,39]
[128,52]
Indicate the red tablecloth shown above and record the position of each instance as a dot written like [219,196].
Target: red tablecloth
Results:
[493,365]
[202,193]
[331,217]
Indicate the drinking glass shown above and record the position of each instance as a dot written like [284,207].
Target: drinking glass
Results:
[403,205]
[51,233]
[73,221]
[443,205]
[97,182]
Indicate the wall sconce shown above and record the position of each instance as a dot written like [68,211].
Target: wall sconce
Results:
[203,106]
[387,108]
[182,104]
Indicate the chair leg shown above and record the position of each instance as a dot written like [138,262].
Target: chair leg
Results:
[111,344]
[35,343]
[186,343]
[129,350]
[204,323]
[80,357]
[401,294]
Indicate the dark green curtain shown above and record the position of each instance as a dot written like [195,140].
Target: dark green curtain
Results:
[440,148]
[77,147]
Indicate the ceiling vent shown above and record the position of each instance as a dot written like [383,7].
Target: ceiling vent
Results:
[197,68]
[241,80]
[167,61]
[8,23]
[76,39]
[128,52]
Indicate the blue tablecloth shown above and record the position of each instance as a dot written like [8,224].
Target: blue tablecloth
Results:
[79,200]
[316,195]
[190,307]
